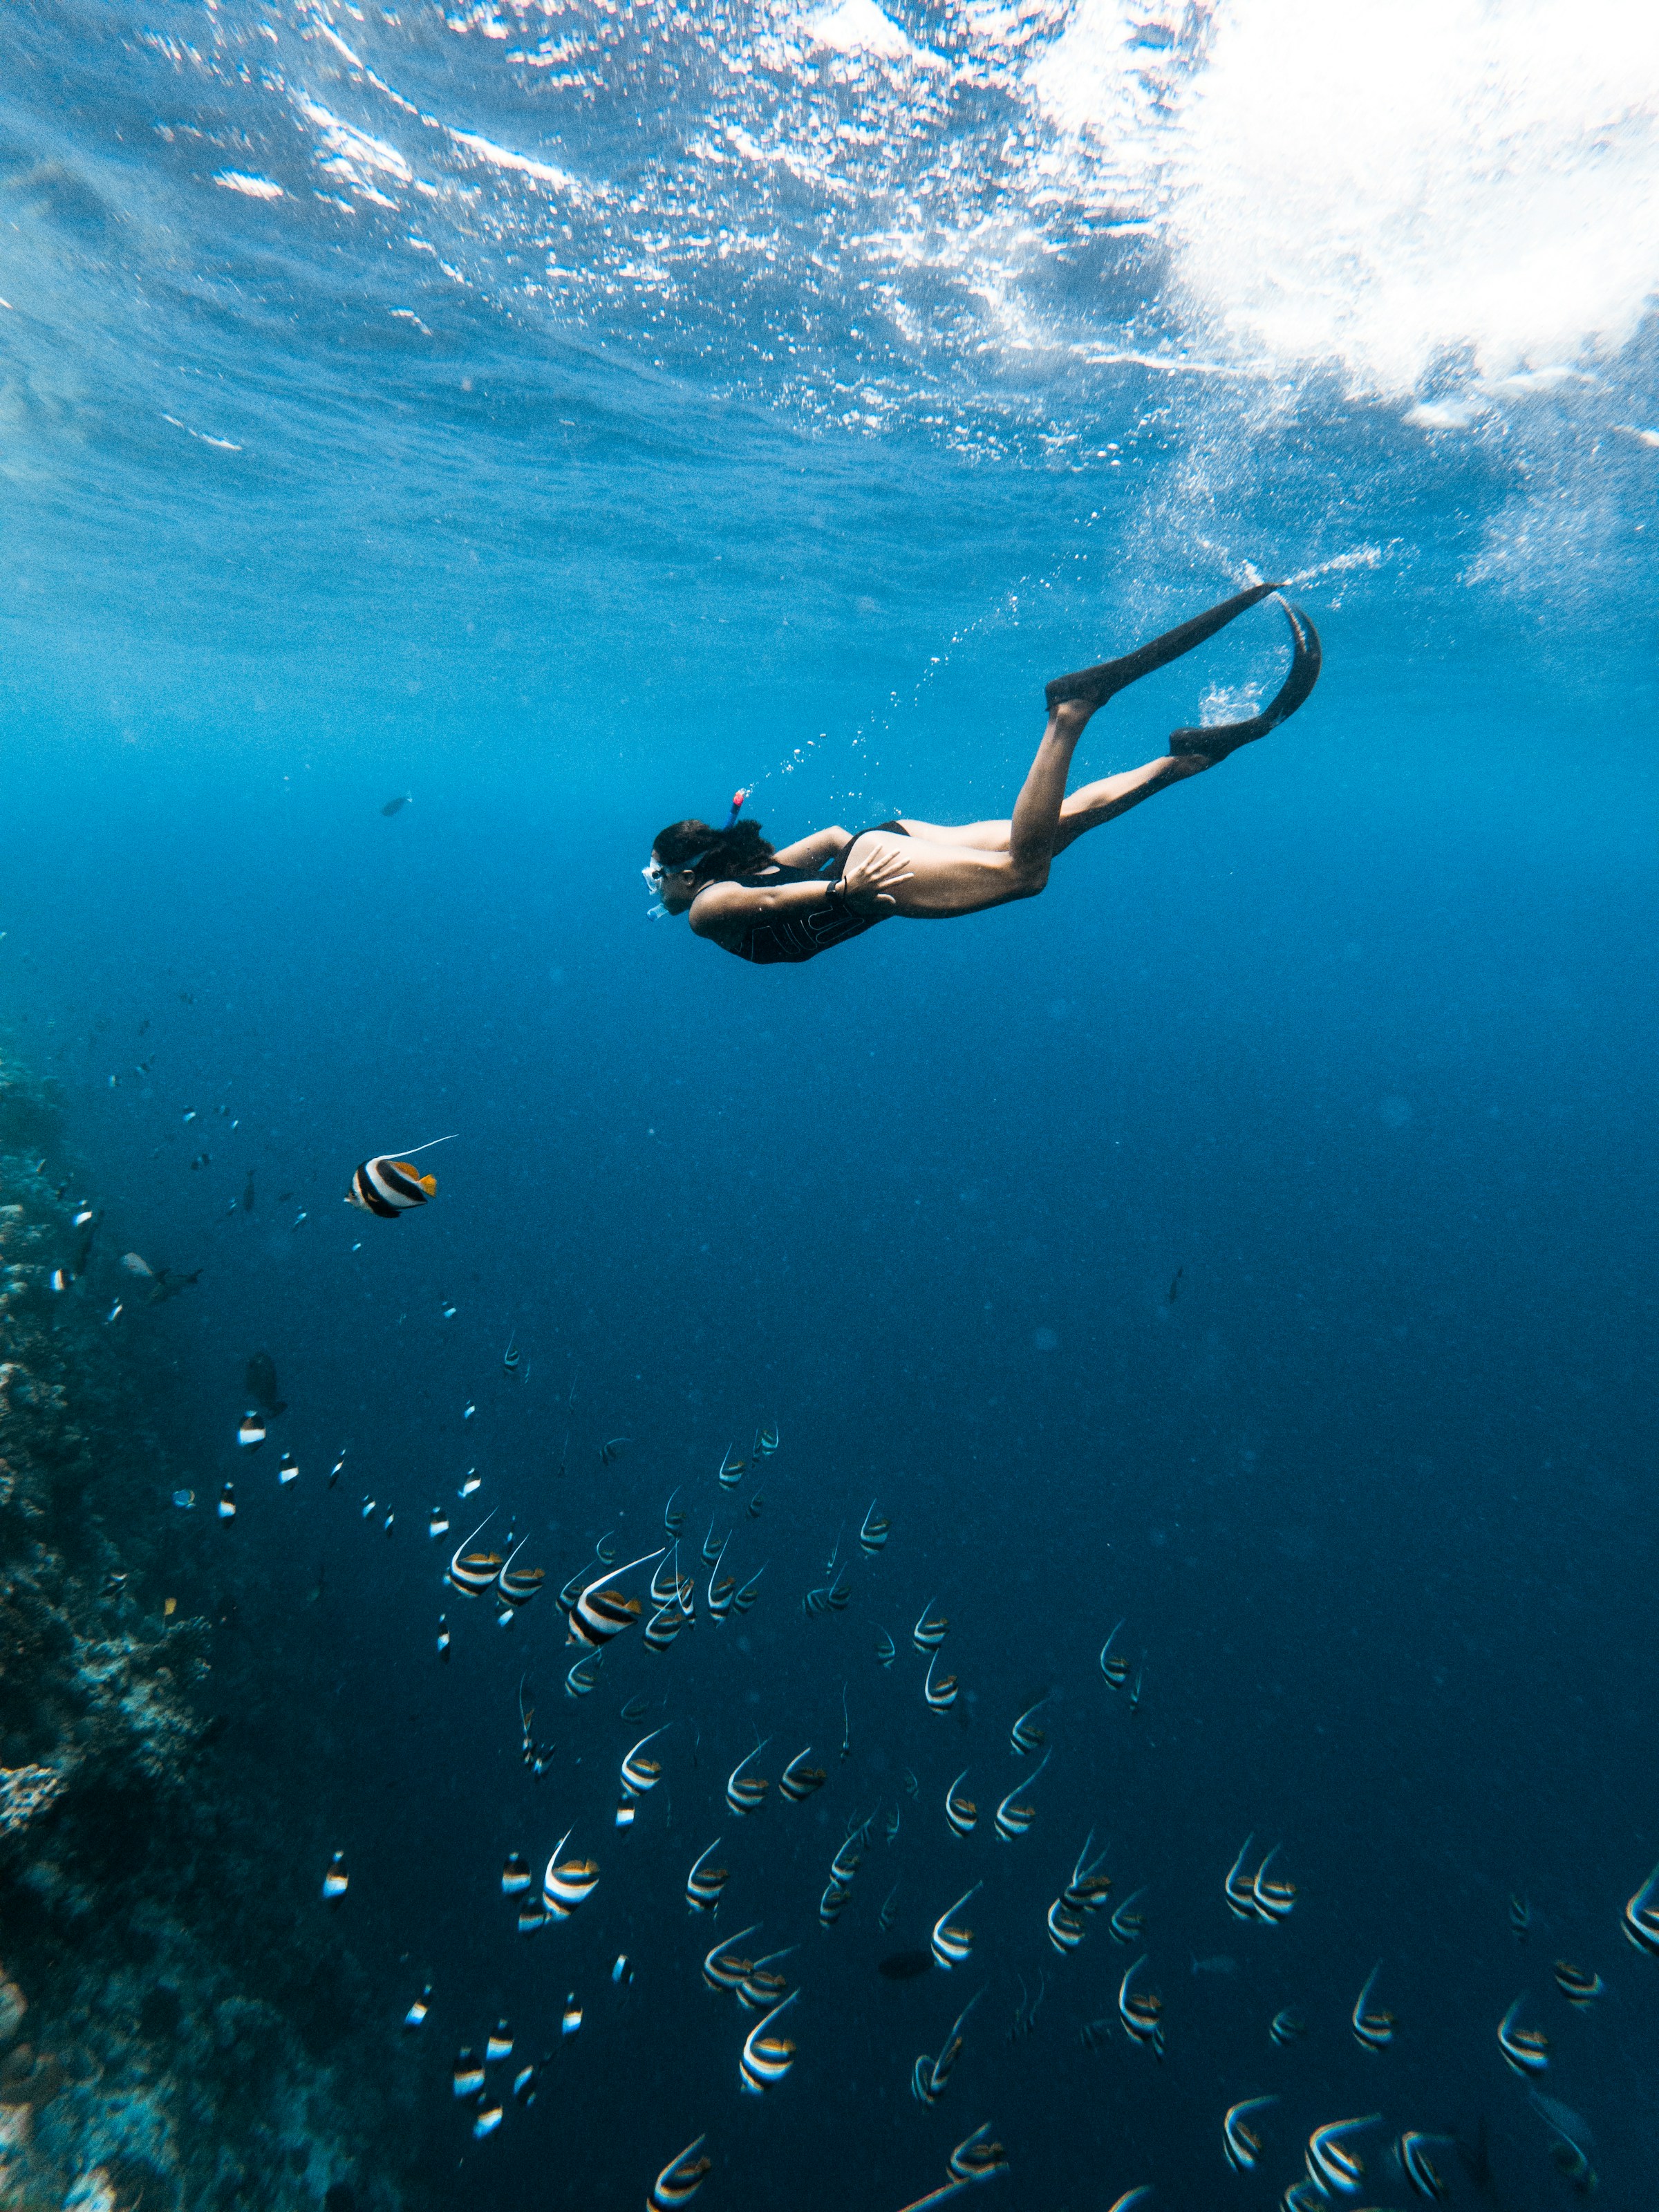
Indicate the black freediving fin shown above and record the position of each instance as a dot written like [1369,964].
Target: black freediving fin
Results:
[1095,685]
[1223,738]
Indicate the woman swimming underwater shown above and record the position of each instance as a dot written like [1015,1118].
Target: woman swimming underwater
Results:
[790,904]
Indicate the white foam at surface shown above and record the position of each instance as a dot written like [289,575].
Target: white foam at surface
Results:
[255,188]
[859,26]
[1382,187]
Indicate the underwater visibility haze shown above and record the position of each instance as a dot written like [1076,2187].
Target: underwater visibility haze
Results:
[443,444]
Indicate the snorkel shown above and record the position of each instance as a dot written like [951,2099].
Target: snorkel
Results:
[656,874]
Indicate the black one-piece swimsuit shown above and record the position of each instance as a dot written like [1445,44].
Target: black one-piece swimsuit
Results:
[797,936]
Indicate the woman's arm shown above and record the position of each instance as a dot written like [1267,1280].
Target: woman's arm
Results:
[812,852]
[725,910]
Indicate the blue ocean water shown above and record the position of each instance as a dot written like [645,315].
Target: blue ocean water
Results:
[564,415]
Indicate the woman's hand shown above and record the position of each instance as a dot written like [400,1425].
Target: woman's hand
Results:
[870,880]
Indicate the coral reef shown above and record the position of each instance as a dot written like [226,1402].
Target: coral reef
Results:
[162,2038]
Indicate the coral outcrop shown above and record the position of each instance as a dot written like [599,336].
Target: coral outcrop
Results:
[160,2042]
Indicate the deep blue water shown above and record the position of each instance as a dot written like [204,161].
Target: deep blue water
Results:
[730,451]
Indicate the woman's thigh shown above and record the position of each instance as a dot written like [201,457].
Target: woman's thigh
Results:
[947,879]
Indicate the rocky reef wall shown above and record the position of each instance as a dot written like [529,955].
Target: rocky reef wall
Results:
[177,2028]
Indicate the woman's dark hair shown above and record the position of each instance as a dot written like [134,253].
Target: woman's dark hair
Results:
[739,851]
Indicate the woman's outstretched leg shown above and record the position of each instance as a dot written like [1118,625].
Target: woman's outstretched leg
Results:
[1086,808]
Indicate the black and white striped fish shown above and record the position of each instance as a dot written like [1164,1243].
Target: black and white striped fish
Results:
[389,1187]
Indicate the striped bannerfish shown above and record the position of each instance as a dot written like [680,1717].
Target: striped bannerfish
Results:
[681,2178]
[951,1945]
[960,1812]
[746,1793]
[940,1696]
[1287,2027]
[1526,2049]
[1373,2031]
[472,1574]
[1064,1927]
[886,1650]
[766,1441]
[639,1775]
[816,1601]
[665,1581]
[584,1677]
[928,2076]
[848,1859]
[511,1357]
[515,1875]
[1275,1901]
[1641,1921]
[516,1586]
[747,1596]
[1240,1888]
[1022,1738]
[711,1550]
[974,2159]
[757,1499]
[928,1635]
[704,1883]
[1418,2168]
[1239,2140]
[831,1903]
[875,1530]
[1126,1923]
[1116,1667]
[766,2057]
[798,1782]
[607,1557]
[731,1469]
[1579,1987]
[564,1886]
[839,1592]
[1332,2167]
[673,1516]
[758,1990]
[664,1626]
[1088,1889]
[722,1968]
[1142,2011]
[722,1591]
[390,1186]
[599,1613]
[1014,1820]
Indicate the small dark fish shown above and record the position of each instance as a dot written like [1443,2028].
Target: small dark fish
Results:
[1175,1286]
[248,1193]
[1520,1918]
[167,1286]
[511,1357]
[905,1965]
[259,1377]
[1288,2027]
[1475,2160]
[611,1449]
[396,805]
[635,1709]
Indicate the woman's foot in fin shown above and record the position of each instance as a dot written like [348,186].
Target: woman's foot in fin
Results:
[1094,686]
[1214,745]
